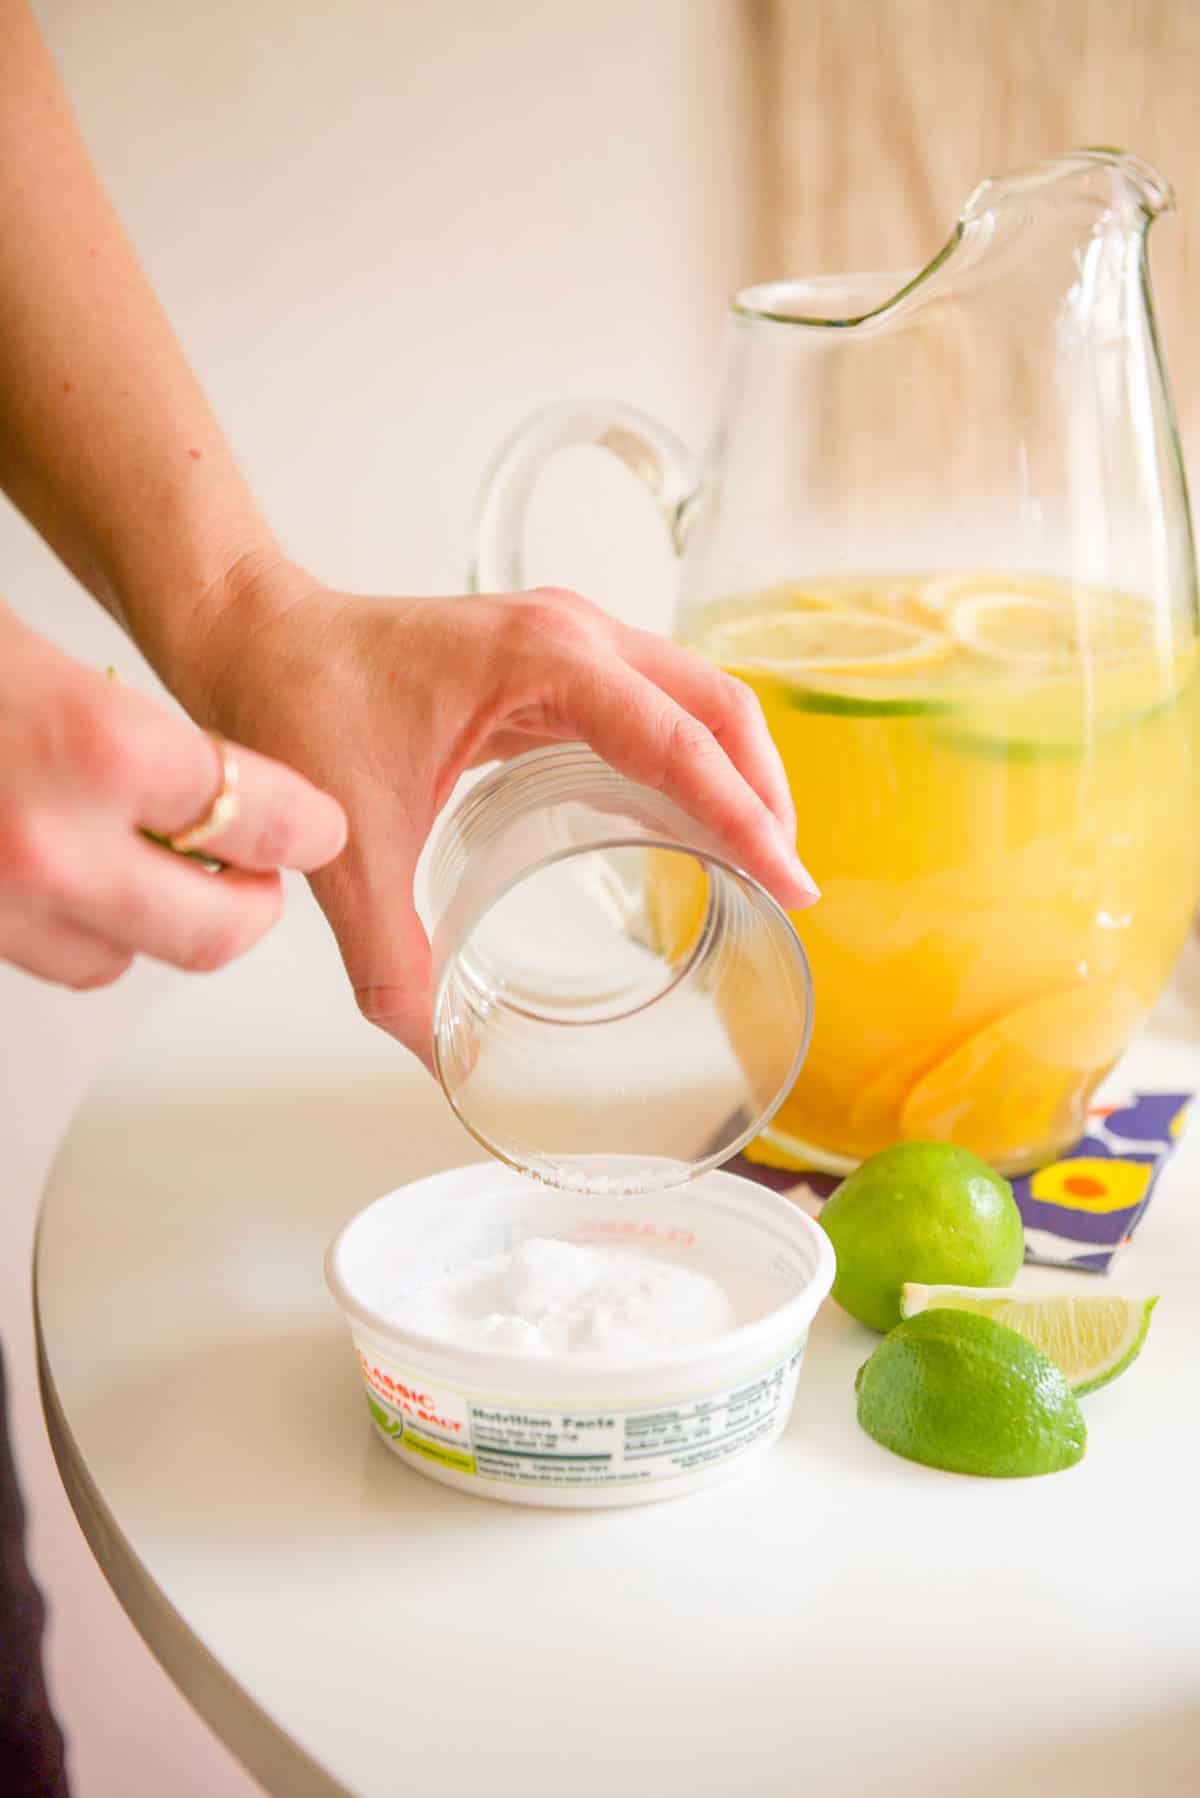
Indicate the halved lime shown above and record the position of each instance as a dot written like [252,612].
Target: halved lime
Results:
[1092,1337]
[970,1395]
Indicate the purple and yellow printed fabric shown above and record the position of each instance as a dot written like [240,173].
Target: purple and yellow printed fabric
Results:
[1078,1210]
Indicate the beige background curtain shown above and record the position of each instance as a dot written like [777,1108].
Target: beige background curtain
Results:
[881,116]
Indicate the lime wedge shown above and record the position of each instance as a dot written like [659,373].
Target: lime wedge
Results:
[1090,1338]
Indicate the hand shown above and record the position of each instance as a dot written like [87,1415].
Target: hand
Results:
[385,702]
[86,766]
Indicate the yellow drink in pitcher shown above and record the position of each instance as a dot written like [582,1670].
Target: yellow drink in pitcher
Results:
[995,780]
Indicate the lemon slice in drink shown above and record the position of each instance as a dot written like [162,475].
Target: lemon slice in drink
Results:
[795,596]
[1041,633]
[791,644]
[1092,1338]
[1020,1086]
[940,594]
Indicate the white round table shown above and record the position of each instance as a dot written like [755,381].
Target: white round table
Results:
[838,1622]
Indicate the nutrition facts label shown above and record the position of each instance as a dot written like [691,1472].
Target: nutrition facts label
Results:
[529,1446]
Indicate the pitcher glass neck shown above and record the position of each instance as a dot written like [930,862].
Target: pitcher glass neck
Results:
[1066,198]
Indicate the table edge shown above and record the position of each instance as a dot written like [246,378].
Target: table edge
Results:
[263,1748]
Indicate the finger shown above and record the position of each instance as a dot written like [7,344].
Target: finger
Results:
[172,774]
[383,943]
[61,952]
[644,734]
[280,820]
[728,707]
[158,904]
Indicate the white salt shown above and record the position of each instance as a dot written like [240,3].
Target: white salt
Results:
[550,1297]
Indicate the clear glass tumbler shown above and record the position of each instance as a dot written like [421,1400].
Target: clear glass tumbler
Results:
[616,1006]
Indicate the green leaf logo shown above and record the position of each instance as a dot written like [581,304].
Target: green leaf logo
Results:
[391,1426]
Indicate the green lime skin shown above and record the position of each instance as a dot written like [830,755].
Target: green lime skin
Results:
[921,1211]
[958,1391]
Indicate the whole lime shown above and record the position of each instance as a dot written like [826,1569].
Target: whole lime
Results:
[925,1212]
[960,1391]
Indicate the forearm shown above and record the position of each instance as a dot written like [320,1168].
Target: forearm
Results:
[106,441]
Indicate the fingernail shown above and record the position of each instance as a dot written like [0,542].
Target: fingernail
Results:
[802,875]
[795,867]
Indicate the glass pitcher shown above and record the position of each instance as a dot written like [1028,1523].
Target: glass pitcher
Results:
[942,529]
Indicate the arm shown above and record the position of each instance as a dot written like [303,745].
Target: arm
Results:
[107,445]
[106,442]
[111,451]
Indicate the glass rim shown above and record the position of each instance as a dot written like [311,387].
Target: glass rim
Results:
[571,854]
[710,859]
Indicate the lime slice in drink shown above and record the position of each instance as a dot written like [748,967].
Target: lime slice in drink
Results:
[963,1392]
[1091,1337]
[840,661]
[1057,714]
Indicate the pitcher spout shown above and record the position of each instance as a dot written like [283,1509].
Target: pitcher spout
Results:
[1101,177]
[1063,202]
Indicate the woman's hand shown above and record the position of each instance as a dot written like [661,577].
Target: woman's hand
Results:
[112,453]
[385,702]
[86,767]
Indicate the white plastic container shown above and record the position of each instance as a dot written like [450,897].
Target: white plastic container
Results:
[573,1431]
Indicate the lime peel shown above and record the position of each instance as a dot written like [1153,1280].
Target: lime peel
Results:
[959,1391]
[920,1210]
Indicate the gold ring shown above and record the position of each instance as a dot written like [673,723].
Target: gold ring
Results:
[222,811]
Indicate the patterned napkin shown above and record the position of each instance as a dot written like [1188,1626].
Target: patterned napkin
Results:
[1078,1211]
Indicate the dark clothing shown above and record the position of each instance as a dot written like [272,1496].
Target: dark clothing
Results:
[32,1763]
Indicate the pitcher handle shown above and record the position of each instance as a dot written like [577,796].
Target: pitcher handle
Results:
[660,461]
